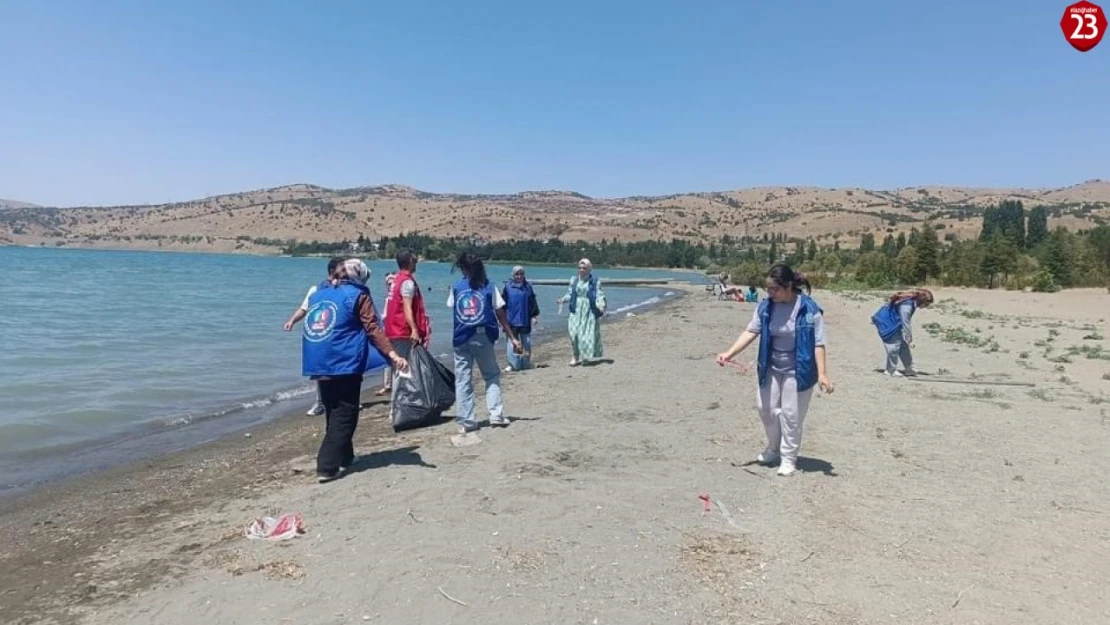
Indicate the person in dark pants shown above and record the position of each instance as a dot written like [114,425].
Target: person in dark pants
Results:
[317,408]
[336,353]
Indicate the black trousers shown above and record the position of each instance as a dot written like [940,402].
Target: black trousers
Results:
[340,396]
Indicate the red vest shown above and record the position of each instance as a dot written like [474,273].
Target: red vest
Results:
[396,326]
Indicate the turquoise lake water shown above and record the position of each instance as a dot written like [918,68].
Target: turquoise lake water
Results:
[131,351]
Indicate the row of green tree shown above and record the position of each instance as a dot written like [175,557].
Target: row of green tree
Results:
[676,253]
[1014,249]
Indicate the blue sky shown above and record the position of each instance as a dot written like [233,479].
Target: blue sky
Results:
[116,101]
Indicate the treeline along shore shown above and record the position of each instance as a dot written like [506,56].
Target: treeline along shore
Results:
[1015,249]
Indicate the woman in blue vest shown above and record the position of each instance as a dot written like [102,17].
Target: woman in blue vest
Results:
[587,306]
[791,333]
[522,309]
[317,408]
[479,310]
[335,352]
[893,322]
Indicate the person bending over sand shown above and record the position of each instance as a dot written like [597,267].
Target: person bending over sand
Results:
[895,330]
[791,361]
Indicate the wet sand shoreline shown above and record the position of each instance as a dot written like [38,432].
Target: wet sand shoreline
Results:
[85,511]
[27,471]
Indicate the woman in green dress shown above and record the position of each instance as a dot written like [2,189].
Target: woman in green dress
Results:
[587,306]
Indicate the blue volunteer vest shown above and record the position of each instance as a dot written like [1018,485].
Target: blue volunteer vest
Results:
[473,310]
[591,295]
[518,304]
[805,342]
[333,341]
[888,319]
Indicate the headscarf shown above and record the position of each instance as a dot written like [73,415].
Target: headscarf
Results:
[516,269]
[923,297]
[355,270]
[588,264]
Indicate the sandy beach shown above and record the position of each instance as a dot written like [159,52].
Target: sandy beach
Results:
[972,495]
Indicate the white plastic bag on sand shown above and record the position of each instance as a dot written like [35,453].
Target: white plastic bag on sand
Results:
[268,528]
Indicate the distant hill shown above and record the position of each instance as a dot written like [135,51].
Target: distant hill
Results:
[14,204]
[260,221]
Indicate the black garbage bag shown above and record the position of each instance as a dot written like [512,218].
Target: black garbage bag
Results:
[423,393]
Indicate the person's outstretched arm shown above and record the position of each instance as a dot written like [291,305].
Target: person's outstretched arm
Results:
[300,312]
[750,334]
[819,354]
[369,317]
[408,292]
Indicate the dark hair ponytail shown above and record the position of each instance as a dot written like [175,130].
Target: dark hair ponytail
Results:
[784,276]
[473,268]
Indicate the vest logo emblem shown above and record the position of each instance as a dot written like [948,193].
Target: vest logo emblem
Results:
[320,321]
[470,308]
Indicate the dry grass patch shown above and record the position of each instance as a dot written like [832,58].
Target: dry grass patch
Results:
[723,563]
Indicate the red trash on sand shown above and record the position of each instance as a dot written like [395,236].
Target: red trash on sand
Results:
[268,528]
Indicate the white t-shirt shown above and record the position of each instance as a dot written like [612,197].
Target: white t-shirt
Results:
[307,296]
[408,288]
[498,300]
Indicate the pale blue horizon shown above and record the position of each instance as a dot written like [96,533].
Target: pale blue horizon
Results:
[128,102]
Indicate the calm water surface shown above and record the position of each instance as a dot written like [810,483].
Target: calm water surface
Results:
[117,347]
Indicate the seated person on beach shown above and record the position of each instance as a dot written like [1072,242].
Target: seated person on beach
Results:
[751,295]
[731,291]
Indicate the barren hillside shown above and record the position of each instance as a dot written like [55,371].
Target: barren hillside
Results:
[259,221]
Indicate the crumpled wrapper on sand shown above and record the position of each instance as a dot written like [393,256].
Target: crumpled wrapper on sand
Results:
[268,528]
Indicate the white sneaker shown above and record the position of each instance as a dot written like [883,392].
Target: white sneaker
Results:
[508,369]
[893,374]
[786,469]
[316,410]
[499,422]
[768,456]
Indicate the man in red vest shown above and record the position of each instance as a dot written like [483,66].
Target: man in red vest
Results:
[406,321]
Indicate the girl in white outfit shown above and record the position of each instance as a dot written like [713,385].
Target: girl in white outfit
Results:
[791,333]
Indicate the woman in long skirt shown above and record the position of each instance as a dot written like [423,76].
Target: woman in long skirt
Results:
[586,306]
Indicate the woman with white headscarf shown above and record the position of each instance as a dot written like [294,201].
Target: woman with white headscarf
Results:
[586,306]
[522,308]
[336,352]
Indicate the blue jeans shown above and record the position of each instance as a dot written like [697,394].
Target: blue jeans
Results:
[479,349]
[520,362]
